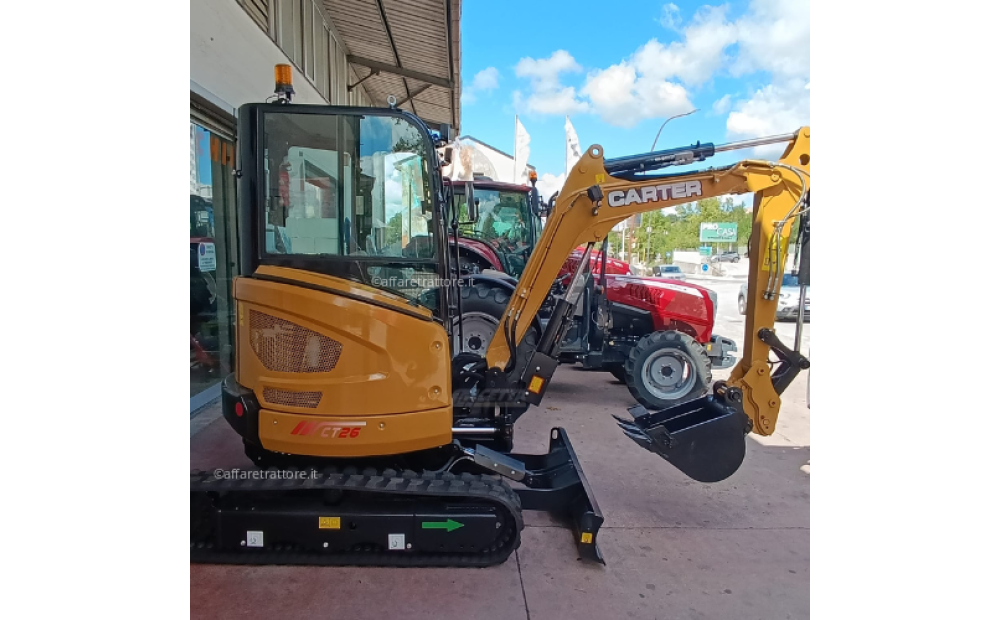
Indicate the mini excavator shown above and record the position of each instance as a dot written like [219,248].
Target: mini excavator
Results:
[376,443]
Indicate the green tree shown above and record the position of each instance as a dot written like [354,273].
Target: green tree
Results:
[394,228]
[408,145]
[488,231]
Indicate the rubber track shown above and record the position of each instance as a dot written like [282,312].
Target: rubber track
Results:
[489,489]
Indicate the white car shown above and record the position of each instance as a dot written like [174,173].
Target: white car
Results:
[788,299]
[669,272]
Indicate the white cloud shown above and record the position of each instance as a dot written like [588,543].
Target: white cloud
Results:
[697,57]
[670,18]
[648,84]
[722,105]
[774,37]
[485,81]
[775,109]
[549,184]
[562,101]
[544,73]
[654,82]
[393,197]
[623,98]
[548,95]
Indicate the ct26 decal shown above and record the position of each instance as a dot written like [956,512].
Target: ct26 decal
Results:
[329,430]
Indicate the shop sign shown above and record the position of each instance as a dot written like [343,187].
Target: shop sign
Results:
[718,232]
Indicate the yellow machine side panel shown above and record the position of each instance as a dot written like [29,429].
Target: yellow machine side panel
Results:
[368,436]
[319,353]
[354,289]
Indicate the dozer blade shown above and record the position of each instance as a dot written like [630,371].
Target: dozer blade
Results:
[555,483]
[705,438]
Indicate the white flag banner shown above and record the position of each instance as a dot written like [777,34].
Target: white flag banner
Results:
[521,151]
[573,153]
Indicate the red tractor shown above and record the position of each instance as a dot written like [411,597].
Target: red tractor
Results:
[653,334]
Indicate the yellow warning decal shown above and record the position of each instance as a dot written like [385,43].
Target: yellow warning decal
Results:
[536,385]
[586,537]
[599,178]
[329,523]
[708,348]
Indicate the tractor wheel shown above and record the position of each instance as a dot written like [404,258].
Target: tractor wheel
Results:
[482,309]
[667,368]
[618,370]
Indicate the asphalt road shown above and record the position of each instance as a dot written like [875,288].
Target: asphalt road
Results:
[675,548]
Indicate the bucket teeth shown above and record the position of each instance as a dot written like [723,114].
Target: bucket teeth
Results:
[633,432]
[642,440]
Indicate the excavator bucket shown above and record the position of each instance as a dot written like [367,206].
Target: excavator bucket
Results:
[705,438]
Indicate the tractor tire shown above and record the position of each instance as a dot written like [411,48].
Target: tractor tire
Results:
[618,370]
[667,368]
[482,309]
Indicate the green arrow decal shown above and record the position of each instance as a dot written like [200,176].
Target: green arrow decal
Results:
[450,525]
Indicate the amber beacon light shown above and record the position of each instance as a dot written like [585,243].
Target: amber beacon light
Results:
[283,81]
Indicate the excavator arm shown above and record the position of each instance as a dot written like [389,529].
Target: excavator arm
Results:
[600,193]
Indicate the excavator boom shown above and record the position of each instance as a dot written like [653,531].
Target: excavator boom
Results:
[597,195]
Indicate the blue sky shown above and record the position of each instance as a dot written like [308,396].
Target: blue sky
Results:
[620,69]
[204,159]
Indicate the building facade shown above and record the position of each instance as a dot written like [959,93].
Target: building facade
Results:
[487,161]
[343,52]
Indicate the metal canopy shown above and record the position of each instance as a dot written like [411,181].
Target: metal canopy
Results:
[409,49]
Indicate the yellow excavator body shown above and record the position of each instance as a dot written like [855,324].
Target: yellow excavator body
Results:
[340,368]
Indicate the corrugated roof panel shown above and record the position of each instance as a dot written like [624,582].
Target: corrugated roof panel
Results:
[436,95]
[365,8]
[433,113]
[371,52]
[383,85]
[421,31]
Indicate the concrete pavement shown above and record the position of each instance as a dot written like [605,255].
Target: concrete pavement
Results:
[675,548]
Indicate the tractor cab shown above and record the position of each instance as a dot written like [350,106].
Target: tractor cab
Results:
[505,230]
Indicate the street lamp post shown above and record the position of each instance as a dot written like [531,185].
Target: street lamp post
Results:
[664,125]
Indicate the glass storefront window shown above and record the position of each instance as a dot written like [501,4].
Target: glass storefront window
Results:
[212,256]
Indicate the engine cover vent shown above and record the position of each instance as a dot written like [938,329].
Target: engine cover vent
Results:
[292,399]
[283,346]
